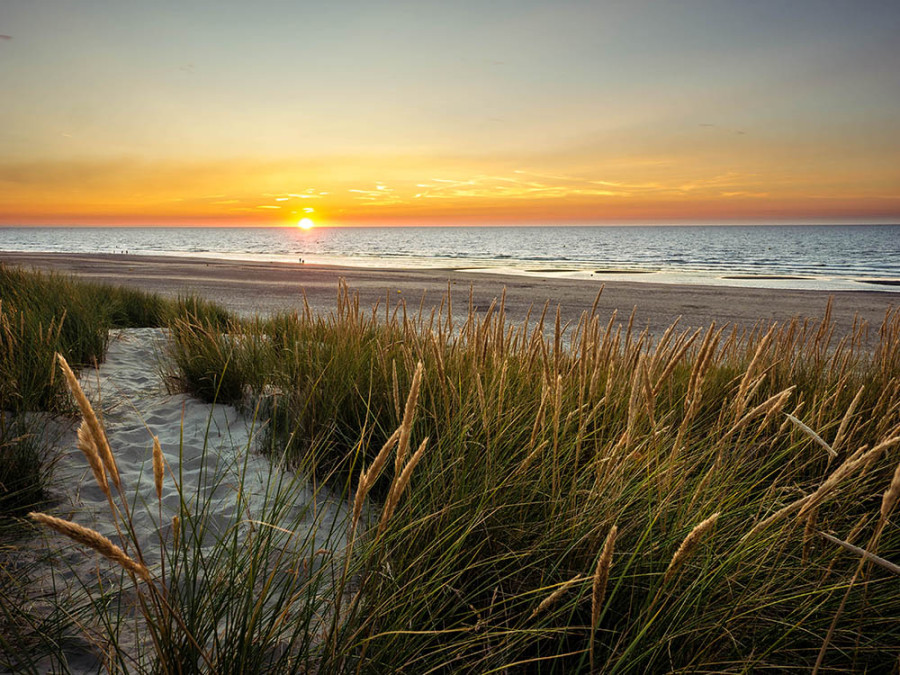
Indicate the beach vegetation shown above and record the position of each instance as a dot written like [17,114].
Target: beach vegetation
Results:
[529,497]
[722,458]
[42,314]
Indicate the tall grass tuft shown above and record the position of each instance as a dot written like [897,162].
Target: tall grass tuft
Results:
[541,436]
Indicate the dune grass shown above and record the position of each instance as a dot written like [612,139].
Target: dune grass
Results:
[535,498]
[543,438]
[43,314]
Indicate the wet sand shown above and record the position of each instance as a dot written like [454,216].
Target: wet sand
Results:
[265,287]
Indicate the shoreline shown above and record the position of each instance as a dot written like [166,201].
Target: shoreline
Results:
[248,288]
[529,268]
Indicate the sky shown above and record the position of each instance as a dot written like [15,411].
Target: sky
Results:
[230,112]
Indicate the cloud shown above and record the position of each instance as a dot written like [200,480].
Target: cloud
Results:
[5,37]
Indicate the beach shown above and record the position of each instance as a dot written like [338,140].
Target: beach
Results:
[249,288]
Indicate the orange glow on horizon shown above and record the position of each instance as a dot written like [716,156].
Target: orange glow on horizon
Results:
[419,190]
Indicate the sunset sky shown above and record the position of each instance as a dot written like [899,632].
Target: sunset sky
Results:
[232,112]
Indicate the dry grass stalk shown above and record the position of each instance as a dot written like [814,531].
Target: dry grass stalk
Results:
[706,349]
[744,389]
[689,545]
[875,453]
[374,471]
[891,495]
[857,459]
[777,516]
[557,409]
[661,347]
[674,360]
[694,391]
[396,385]
[399,485]
[551,599]
[767,407]
[649,396]
[842,429]
[93,540]
[89,450]
[482,403]
[863,553]
[813,435]
[598,587]
[93,424]
[601,575]
[408,417]
[529,460]
[501,389]
[159,467]
[369,476]
[811,501]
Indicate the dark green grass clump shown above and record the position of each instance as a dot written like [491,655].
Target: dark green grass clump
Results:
[23,466]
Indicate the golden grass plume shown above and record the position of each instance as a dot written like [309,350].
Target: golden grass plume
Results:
[89,449]
[368,477]
[158,467]
[94,540]
[399,485]
[408,417]
[551,599]
[689,544]
[93,424]
[601,575]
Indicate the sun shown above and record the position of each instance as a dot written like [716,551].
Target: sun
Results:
[306,224]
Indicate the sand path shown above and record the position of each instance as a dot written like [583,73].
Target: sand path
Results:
[210,448]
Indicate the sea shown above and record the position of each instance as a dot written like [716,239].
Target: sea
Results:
[822,257]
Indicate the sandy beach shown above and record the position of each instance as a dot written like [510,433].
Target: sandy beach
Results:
[261,287]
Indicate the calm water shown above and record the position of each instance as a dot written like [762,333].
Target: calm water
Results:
[831,257]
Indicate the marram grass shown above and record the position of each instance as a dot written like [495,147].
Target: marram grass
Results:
[589,498]
[44,314]
[542,438]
